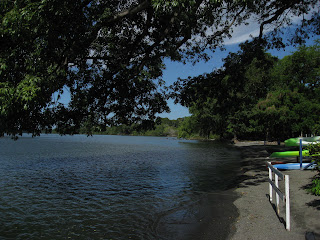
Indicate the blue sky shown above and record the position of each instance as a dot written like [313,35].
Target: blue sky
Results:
[175,70]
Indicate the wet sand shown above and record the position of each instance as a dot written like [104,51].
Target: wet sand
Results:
[257,218]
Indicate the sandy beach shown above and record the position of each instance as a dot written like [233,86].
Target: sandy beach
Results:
[257,218]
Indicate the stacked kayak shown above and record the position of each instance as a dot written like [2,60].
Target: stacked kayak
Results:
[294,166]
[305,153]
[294,142]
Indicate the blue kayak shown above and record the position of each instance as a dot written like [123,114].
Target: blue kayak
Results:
[293,166]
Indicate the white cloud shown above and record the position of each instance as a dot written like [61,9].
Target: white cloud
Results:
[243,33]
[246,32]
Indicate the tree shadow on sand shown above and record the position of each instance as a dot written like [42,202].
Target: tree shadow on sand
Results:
[245,181]
[315,204]
[253,166]
[254,158]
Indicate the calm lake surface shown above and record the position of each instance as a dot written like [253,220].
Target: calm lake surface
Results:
[115,187]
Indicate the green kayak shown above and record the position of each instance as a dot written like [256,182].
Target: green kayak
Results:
[293,142]
[305,153]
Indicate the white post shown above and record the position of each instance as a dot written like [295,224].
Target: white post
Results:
[270,186]
[275,186]
[286,179]
[276,178]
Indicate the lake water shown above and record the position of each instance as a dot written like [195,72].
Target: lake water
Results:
[115,187]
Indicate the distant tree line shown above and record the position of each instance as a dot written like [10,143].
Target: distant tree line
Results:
[254,96]
[164,127]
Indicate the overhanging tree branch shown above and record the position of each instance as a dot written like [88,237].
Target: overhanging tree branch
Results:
[226,28]
[125,13]
[275,17]
[278,13]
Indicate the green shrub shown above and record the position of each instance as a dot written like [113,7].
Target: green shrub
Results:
[315,187]
[314,150]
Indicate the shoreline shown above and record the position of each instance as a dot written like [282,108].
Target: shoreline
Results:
[257,218]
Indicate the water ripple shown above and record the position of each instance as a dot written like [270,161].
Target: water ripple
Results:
[56,187]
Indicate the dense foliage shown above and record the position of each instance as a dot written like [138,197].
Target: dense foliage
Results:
[109,55]
[256,95]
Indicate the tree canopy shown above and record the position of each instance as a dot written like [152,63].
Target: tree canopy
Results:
[221,101]
[292,106]
[109,54]
[256,95]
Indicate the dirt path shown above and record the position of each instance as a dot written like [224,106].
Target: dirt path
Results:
[257,217]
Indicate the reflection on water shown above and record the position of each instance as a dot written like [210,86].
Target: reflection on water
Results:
[111,187]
